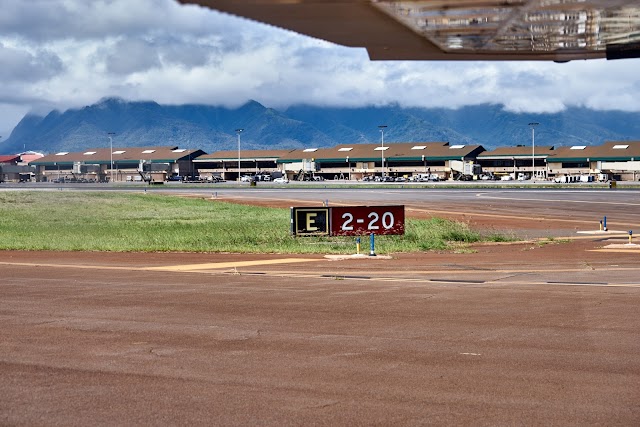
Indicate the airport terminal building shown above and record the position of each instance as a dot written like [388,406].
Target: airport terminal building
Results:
[438,160]
[157,164]
[360,161]
[619,161]
[229,165]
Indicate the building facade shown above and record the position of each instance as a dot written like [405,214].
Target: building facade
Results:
[611,160]
[151,164]
[360,161]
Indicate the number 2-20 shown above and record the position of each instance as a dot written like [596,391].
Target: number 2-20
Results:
[387,221]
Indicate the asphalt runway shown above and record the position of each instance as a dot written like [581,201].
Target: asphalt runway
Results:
[532,333]
[527,213]
[621,206]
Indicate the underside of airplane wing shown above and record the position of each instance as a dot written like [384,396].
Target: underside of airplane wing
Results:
[556,30]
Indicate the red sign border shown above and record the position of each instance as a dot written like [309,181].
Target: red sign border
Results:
[361,220]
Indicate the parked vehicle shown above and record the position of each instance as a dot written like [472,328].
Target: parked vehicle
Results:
[465,170]
[425,177]
[246,178]
[281,180]
[604,177]
[489,177]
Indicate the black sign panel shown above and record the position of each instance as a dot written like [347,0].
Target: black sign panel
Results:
[310,221]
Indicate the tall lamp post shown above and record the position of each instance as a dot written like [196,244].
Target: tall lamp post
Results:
[382,128]
[110,134]
[238,132]
[533,125]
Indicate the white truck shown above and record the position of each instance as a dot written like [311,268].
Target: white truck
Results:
[464,170]
[425,177]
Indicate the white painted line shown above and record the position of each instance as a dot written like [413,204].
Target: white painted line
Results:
[591,202]
[602,232]
[356,256]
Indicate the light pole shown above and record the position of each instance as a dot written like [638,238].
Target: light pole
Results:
[111,150]
[382,128]
[533,125]
[238,132]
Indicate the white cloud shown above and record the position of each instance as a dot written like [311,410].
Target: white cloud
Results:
[70,53]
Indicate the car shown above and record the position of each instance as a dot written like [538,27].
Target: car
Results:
[246,178]
[172,178]
[489,177]
[281,180]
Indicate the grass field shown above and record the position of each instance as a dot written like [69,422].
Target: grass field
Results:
[124,222]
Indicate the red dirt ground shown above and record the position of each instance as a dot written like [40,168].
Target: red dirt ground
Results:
[511,334]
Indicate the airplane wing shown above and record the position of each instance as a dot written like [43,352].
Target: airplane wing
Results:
[557,30]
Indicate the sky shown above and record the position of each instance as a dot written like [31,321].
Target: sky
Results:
[61,54]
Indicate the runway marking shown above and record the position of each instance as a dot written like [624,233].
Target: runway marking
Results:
[502,216]
[216,267]
[620,251]
[406,280]
[176,268]
[597,285]
[232,264]
[499,282]
[445,282]
[595,202]
[201,268]
[77,266]
[231,198]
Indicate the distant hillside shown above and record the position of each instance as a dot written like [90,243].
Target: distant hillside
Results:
[150,124]
[213,128]
[487,125]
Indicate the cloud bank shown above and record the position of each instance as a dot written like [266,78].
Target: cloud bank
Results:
[59,54]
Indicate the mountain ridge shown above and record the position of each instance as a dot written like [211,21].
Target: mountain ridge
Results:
[211,128]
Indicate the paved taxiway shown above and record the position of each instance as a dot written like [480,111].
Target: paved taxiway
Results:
[529,333]
[524,212]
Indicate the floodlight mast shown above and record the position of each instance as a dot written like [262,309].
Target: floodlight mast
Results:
[533,125]
[382,128]
[238,132]
[111,134]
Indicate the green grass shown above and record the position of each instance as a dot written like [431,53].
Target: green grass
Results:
[128,222]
